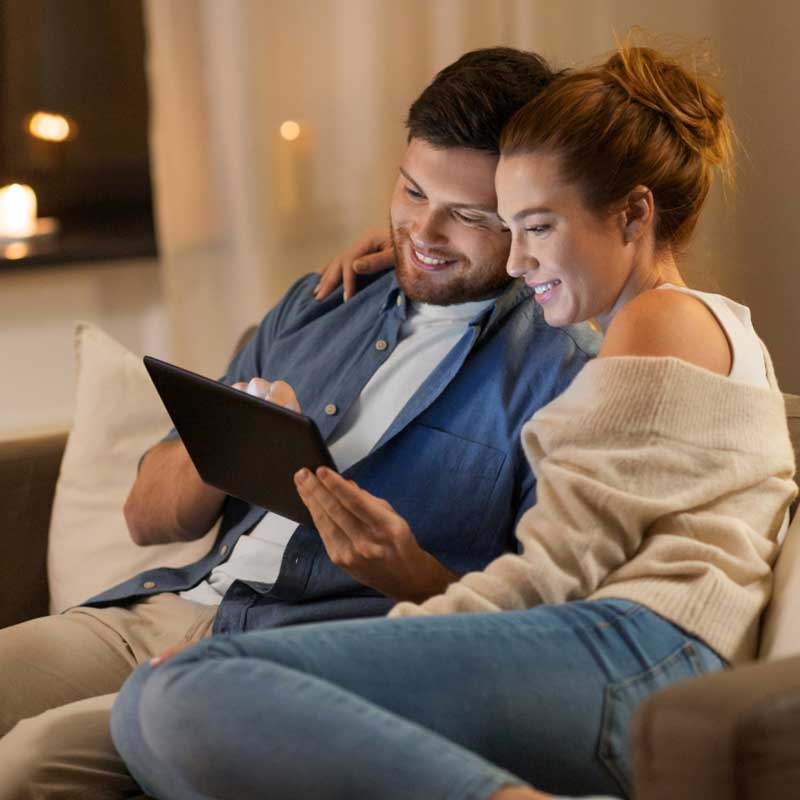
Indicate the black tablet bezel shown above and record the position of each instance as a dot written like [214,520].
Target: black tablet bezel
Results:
[245,446]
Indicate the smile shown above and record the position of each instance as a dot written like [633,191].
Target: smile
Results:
[543,292]
[429,263]
[541,288]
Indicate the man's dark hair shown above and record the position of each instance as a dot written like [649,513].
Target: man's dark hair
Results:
[470,101]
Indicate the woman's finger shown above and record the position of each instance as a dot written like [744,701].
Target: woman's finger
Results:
[360,504]
[333,537]
[331,277]
[375,262]
[329,501]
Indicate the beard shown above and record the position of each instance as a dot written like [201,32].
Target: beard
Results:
[462,282]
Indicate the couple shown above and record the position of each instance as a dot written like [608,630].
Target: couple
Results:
[663,474]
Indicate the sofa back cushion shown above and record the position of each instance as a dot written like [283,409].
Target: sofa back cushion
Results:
[780,625]
[118,415]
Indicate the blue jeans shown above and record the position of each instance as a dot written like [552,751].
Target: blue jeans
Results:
[426,707]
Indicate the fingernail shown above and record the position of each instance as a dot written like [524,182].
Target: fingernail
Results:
[155,661]
[357,266]
[323,472]
[301,476]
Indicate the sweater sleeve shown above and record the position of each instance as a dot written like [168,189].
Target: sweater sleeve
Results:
[592,508]
[632,481]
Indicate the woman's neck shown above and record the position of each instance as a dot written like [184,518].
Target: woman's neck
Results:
[645,275]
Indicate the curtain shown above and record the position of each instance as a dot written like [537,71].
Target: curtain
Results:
[242,212]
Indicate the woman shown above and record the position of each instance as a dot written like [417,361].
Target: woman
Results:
[664,475]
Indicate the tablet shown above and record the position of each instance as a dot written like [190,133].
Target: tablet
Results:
[241,444]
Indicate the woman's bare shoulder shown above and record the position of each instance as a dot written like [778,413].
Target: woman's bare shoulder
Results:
[661,322]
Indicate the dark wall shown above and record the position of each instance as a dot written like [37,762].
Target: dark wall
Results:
[85,59]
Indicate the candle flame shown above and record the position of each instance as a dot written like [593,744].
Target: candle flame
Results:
[50,127]
[17,211]
[290,130]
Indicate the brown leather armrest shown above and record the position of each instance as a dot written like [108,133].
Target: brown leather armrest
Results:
[733,735]
[28,472]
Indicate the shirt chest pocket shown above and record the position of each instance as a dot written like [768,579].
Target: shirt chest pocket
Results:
[440,482]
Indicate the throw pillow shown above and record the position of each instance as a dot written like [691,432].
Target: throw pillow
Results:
[118,415]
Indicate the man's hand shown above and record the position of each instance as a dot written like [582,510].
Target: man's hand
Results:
[372,252]
[366,538]
[169,652]
[169,501]
[278,392]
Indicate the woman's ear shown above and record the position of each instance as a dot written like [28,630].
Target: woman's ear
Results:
[639,213]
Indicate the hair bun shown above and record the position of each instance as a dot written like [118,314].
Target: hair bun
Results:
[692,106]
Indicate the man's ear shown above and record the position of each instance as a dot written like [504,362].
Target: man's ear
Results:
[639,213]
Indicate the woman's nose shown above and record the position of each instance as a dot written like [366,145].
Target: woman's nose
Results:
[519,262]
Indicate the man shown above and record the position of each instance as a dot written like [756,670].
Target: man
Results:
[420,384]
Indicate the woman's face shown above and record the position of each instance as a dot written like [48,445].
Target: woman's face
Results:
[575,259]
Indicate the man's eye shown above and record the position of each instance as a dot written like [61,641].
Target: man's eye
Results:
[538,230]
[468,219]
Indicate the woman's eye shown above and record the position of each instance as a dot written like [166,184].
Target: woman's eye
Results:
[538,230]
[414,193]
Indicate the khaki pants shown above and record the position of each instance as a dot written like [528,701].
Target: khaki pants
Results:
[58,679]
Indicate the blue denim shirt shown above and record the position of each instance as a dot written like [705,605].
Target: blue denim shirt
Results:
[451,463]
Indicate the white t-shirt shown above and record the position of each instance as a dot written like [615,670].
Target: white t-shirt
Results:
[426,336]
[747,357]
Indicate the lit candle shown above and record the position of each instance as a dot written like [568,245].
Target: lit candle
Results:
[50,127]
[291,169]
[17,211]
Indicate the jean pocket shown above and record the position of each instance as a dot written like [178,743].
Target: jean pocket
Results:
[623,698]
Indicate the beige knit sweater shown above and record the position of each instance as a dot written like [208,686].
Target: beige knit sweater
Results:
[658,482]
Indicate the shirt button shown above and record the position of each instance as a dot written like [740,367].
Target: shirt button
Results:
[149,585]
[381,344]
[223,550]
[399,299]
[331,409]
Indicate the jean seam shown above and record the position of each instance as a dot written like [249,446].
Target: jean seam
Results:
[619,616]
[608,756]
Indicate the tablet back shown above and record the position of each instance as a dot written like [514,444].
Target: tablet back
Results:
[243,445]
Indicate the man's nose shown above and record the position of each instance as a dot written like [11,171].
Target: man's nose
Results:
[427,230]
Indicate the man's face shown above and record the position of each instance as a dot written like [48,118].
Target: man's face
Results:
[450,245]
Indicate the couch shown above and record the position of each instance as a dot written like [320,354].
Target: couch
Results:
[731,735]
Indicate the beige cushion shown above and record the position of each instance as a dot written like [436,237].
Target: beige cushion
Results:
[118,415]
[780,625]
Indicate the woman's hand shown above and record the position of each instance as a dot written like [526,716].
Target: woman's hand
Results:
[368,539]
[372,252]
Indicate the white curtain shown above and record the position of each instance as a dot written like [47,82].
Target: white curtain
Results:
[241,212]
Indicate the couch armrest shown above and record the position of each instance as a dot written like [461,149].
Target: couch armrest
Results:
[28,472]
[732,735]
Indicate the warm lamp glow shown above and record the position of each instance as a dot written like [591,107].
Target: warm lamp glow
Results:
[16,250]
[290,130]
[17,211]
[50,127]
